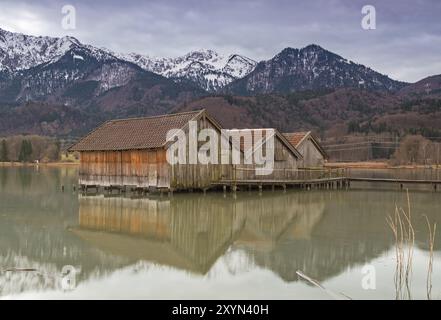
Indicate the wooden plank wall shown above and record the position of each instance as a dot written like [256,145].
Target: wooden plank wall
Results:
[285,166]
[199,176]
[141,168]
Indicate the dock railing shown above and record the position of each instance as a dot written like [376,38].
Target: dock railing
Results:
[288,175]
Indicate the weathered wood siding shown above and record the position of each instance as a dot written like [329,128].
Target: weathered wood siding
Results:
[141,168]
[312,157]
[285,166]
[199,176]
[149,168]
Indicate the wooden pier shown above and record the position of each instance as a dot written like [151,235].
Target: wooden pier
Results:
[399,182]
[325,183]
[282,179]
[317,179]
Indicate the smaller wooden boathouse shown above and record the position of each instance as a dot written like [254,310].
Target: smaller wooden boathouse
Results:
[132,153]
[286,158]
[313,154]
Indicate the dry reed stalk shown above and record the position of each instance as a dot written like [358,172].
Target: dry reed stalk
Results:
[432,233]
[404,234]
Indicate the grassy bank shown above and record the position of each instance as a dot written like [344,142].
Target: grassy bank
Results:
[377,165]
[33,164]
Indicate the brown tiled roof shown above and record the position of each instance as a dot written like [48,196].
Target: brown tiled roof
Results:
[135,133]
[295,137]
[265,132]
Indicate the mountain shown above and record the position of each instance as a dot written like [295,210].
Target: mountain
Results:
[63,71]
[329,113]
[206,68]
[59,86]
[20,52]
[309,68]
[55,69]
[321,111]
[427,87]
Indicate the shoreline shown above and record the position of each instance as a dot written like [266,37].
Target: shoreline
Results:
[376,166]
[44,164]
[371,165]
[330,165]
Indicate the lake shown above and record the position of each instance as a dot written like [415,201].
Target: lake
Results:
[212,246]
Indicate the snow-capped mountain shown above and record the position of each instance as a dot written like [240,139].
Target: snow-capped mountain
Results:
[20,52]
[310,68]
[33,68]
[65,71]
[207,68]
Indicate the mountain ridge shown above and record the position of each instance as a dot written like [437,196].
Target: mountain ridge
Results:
[309,68]
[66,88]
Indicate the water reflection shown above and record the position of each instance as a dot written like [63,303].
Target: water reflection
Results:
[187,233]
[323,233]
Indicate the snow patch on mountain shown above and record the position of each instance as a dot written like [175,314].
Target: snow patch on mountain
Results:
[20,52]
[207,68]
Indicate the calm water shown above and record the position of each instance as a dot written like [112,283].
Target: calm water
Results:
[195,246]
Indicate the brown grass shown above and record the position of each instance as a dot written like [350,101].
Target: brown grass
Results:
[404,234]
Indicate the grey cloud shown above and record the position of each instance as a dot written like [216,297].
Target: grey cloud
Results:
[405,45]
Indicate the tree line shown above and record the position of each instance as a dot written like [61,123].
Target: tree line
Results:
[416,149]
[29,149]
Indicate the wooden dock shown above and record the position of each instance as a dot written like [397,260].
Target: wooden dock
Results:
[400,182]
[299,178]
[321,183]
[319,179]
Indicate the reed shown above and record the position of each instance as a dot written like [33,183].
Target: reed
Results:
[431,241]
[404,235]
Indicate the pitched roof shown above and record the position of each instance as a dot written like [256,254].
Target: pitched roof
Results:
[134,133]
[245,146]
[297,138]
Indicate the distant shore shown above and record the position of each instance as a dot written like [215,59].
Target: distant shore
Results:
[33,164]
[376,165]
[333,165]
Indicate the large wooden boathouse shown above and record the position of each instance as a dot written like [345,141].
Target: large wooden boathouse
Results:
[132,152]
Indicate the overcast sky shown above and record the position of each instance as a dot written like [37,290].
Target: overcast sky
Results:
[405,45]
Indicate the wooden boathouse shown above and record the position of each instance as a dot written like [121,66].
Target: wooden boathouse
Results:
[314,156]
[286,157]
[132,153]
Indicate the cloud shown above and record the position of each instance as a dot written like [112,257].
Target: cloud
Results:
[405,44]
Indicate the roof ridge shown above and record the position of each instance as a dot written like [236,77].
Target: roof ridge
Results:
[158,116]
